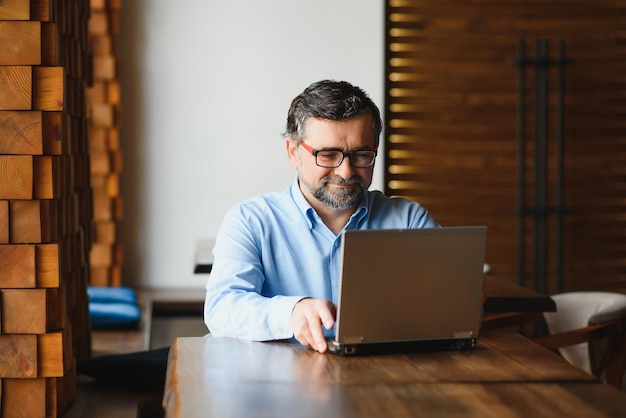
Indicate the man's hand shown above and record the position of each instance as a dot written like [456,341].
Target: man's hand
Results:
[307,319]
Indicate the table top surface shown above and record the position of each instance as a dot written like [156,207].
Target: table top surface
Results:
[505,375]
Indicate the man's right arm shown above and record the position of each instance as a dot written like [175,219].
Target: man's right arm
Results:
[234,306]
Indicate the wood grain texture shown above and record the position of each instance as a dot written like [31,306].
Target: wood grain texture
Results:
[21,132]
[48,88]
[4,221]
[24,311]
[206,375]
[47,265]
[46,175]
[18,356]
[16,84]
[16,391]
[30,221]
[50,350]
[14,10]
[17,266]
[16,172]
[20,43]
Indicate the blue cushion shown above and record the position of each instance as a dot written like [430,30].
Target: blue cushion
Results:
[112,295]
[113,315]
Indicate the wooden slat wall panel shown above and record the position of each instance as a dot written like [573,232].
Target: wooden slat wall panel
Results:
[451,124]
[45,203]
[103,98]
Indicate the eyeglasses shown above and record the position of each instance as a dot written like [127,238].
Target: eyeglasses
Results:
[334,158]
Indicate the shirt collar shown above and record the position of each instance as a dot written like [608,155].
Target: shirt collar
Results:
[311,216]
[303,205]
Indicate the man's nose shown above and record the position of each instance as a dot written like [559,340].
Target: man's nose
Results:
[345,169]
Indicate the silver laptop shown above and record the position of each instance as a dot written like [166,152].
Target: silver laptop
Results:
[410,290]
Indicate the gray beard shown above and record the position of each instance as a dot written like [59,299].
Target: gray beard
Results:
[338,199]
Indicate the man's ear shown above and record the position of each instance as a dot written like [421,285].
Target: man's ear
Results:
[292,152]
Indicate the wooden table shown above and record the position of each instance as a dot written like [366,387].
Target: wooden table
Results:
[505,296]
[505,376]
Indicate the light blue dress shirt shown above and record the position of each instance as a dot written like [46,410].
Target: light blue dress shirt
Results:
[274,250]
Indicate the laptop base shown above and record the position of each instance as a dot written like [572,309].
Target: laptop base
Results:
[395,347]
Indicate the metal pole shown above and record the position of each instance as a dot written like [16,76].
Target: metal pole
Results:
[540,154]
[521,165]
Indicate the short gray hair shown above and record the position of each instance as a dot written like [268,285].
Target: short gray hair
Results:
[331,100]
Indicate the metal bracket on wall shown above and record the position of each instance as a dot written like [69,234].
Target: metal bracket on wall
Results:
[540,210]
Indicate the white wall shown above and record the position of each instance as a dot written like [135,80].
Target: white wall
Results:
[206,87]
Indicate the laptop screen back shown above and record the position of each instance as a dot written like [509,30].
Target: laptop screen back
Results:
[413,284]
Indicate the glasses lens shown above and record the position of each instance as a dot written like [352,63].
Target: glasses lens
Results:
[329,159]
[362,158]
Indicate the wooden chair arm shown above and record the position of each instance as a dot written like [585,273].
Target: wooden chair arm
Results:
[582,335]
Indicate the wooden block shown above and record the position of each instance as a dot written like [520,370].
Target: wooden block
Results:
[16,172]
[116,276]
[16,84]
[102,206]
[14,10]
[52,133]
[52,395]
[56,309]
[24,398]
[99,276]
[44,170]
[97,93]
[23,311]
[114,95]
[12,348]
[17,266]
[98,23]
[105,232]
[48,88]
[100,163]
[20,43]
[4,221]
[113,185]
[47,265]
[104,67]
[114,139]
[101,255]
[98,5]
[40,10]
[101,115]
[21,132]
[116,161]
[50,360]
[30,221]
[101,45]
[49,45]
[114,6]
[118,208]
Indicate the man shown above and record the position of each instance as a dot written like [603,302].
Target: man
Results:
[277,256]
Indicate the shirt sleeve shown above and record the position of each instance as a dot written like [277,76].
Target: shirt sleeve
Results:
[234,305]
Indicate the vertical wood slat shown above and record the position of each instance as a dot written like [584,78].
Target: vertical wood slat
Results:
[451,126]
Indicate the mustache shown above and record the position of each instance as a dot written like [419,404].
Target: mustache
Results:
[341,181]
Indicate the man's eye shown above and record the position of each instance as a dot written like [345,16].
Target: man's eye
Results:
[327,155]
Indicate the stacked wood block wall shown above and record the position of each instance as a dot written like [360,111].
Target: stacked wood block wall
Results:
[45,204]
[103,99]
